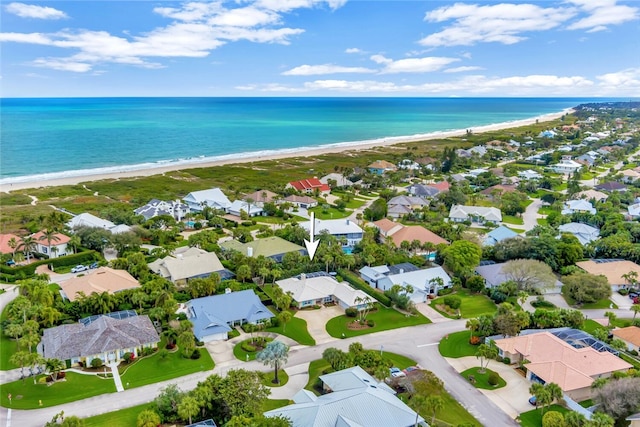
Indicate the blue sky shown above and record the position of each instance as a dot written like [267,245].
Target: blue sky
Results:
[320,48]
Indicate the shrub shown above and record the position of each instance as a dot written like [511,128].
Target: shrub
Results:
[96,363]
[351,312]
[248,347]
[474,340]
[62,375]
[497,296]
[128,357]
[358,283]
[493,379]
[453,302]
[275,322]
[623,291]
[445,291]
[506,361]
[196,354]
[371,323]
[199,343]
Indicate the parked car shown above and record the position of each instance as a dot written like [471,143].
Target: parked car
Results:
[633,295]
[396,372]
[533,400]
[11,262]
[93,265]
[410,369]
[79,268]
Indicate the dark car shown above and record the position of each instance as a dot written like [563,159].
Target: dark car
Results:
[533,400]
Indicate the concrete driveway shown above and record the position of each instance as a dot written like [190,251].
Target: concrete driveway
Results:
[317,321]
[513,398]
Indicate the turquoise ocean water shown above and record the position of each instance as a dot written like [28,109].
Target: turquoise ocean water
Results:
[54,138]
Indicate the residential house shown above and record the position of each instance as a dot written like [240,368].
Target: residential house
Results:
[187,263]
[478,150]
[597,196]
[549,133]
[261,197]
[634,210]
[578,206]
[399,233]
[566,166]
[269,247]
[251,209]
[635,420]
[304,202]
[611,186]
[213,198]
[494,276]
[495,191]
[423,282]
[102,279]
[612,269]
[54,249]
[5,246]
[549,359]
[442,186]
[320,288]
[588,159]
[106,337]
[423,190]
[529,175]
[630,335]
[408,164]
[337,178]
[346,231]
[174,208]
[215,315]
[309,186]
[92,221]
[630,175]
[499,234]
[380,167]
[354,399]
[407,204]
[479,214]
[583,232]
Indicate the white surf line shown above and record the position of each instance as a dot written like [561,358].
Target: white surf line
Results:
[427,345]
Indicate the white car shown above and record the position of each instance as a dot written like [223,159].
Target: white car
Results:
[396,372]
[79,268]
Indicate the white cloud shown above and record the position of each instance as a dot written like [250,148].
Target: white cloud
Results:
[602,13]
[412,65]
[462,69]
[353,50]
[196,30]
[311,70]
[501,23]
[36,12]
[629,79]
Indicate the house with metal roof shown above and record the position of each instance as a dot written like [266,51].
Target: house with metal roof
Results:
[354,399]
[529,175]
[273,247]
[188,263]
[215,315]
[238,206]
[479,214]
[88,220]
[379,167]
[213,198]
[499,234]
[174,208]
[494,276]
[344,230]
[106,337]
[317,289]
[578,206]
[583,232]
[566,166]
[422,281]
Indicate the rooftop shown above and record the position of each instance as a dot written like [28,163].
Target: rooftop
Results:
[103,279]
[612,269]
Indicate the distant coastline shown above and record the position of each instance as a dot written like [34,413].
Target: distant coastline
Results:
[160,167]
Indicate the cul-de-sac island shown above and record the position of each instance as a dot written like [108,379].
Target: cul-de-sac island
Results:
[489,278]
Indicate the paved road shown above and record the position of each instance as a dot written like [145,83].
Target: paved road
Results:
[418,342]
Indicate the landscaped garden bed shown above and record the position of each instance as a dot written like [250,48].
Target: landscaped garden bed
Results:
[248,349]
[484,378]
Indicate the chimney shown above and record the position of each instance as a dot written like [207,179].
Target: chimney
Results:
[227,291]
[347,221]
[249,251]
[401,270]
[303,276]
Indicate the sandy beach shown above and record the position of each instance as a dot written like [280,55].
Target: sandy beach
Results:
[310,152]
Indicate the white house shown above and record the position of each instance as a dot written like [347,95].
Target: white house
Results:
[634,210]
[92,221]
[54,249]
[529,175]
[424,282]
[323,289]
[344,230]
[155,207]
[583,232]
[213,197]
[578,206]
[238,206]
[566,166]
[480,214]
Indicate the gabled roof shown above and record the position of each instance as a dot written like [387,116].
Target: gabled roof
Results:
[493,275]
[416,232]
[630,334]
[103,334]
[592,194]
[4,243]
[382,164]
[313,288]
[499,188]
[103,279]
[88,220]
[583,232]
[212,197]
[407,201]
[309,184]
[611,269]
[241,205]
[59,239]
[333,226]
[157,207]
[423,190]
[294,198]
[611,186]
[267,247]
[418,279]
[262,196]
[340,179]
[499,234]
[385,225]
[441,186]
[554,360]
[211,314]
[463,212]
[186,263]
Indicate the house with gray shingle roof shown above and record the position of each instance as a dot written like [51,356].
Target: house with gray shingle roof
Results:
[106,337]
[215,315]
[189,263]
[273,247]
[480,214]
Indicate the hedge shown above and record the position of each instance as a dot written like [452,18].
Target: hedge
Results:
[358,283]
[25,271]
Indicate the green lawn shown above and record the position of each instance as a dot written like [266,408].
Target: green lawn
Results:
[384,318]
[510,219]
[533,418]
[602,304]
[329,213]
[472,306]
[270,404]
[546,210]
[542,221]
[482,379]
[123,418]
[154,368]
[267,378]
[590,326]
[457,345]
[240,354]
[8,346]
[355,203]
[296,329]
[26,395]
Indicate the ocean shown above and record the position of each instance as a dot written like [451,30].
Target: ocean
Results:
[55,138]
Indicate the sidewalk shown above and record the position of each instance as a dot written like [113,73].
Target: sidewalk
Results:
[298,379]
[431,313]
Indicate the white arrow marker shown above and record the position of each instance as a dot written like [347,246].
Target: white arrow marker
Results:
[312,245]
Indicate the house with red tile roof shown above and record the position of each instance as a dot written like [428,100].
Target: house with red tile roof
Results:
[309,186]
[5,246]
[630,335]
[54,249]
[441,186]
[399,233]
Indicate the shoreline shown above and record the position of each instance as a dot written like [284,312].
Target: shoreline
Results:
[16,184]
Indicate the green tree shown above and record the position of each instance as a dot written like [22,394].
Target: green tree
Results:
[148,418]
[54,366]
[243,393]
[72,421]
[574,419]
[553,419]
[187,343]
[167,402]
[188,408]
[529,274]
[586,288]
[21,359]
[461,257]
[338,359]
[433,404]
[275,354]
[284,317]
[600,419]
[485,353]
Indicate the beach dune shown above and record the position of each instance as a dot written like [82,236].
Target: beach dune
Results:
[9,185]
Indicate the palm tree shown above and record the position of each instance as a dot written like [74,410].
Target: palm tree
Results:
[433,404]
[285,316]
[54,366]
[148,418]
[188,407]
[74,242]
[485,353]
[102,303]
[21,359]
[27,244]
[274,354]
[13,244]
[635,308]
[49,235]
